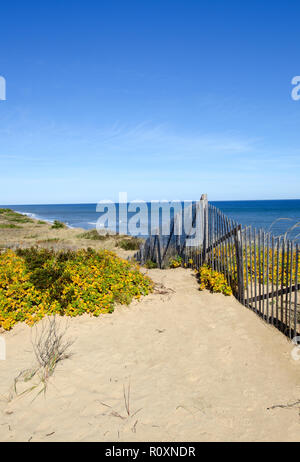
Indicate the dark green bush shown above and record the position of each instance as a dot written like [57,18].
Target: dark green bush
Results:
[57,225]
[51,239]
[150,264]
[7,225]
[35,258]
[20,219]
[130,244]
[94,235]
[5,210]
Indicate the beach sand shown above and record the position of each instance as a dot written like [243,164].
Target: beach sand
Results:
[200,367]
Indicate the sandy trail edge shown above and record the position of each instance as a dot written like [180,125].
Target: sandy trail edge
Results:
[201,368]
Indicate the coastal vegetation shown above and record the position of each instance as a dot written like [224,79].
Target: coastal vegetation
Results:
[175,262]
[57,225]
[131,243]
[213,281]
[150,264]
[14,217]
[37,282]
[8,226]
[17,230]
[209,279]
[122,241]
[264,265]
[93,235]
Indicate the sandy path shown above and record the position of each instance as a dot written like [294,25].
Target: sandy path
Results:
[201,368]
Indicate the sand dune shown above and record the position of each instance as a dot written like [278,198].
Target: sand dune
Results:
[200,368]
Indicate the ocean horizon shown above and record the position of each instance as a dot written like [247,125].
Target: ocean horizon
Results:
[277,216]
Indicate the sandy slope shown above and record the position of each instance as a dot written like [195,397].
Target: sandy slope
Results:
[201,368]
[41,234]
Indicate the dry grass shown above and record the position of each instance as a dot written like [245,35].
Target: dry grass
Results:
[42,234]
[50,346]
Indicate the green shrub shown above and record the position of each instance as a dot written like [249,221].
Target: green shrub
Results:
[38,282]
[8,225]
[15,217]
[130,243]
[20,219]
[150,264]
[213,281]
[57,225]
[51,239]
[34,258]
[94,235]
[5,210]
[175,262]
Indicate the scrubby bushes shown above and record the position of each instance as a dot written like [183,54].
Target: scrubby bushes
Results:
[13,216]
[57,225]
[126,243]
[36,282]
[150,264]
[175,262]
[9,226]
[132,243]
[213,281]
[94,235]
[5,210]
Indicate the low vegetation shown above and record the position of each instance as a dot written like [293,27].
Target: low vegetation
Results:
[9,226]
[14,217]
[50,346]
[50,239]
[58,225]
[150,264]
[123,242]
[37,282]
[213,281]
[175,262]
[93,235]
[132,243]
[209,279]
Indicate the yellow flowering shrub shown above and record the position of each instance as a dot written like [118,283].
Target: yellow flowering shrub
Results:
[258,264]
[175,262]
[35,283]
[213,281]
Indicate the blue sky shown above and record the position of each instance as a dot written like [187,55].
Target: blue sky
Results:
[162,99]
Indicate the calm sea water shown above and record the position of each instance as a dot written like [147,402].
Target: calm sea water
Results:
[260,214]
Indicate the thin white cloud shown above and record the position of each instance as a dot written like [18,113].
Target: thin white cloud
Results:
[161,142]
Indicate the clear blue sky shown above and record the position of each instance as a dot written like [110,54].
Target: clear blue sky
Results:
[162,99]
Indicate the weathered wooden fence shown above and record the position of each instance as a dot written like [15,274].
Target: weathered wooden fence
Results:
[262,270]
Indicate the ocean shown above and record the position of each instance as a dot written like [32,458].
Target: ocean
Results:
[279,216]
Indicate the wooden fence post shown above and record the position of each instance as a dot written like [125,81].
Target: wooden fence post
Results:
[205,225]
[239,264]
